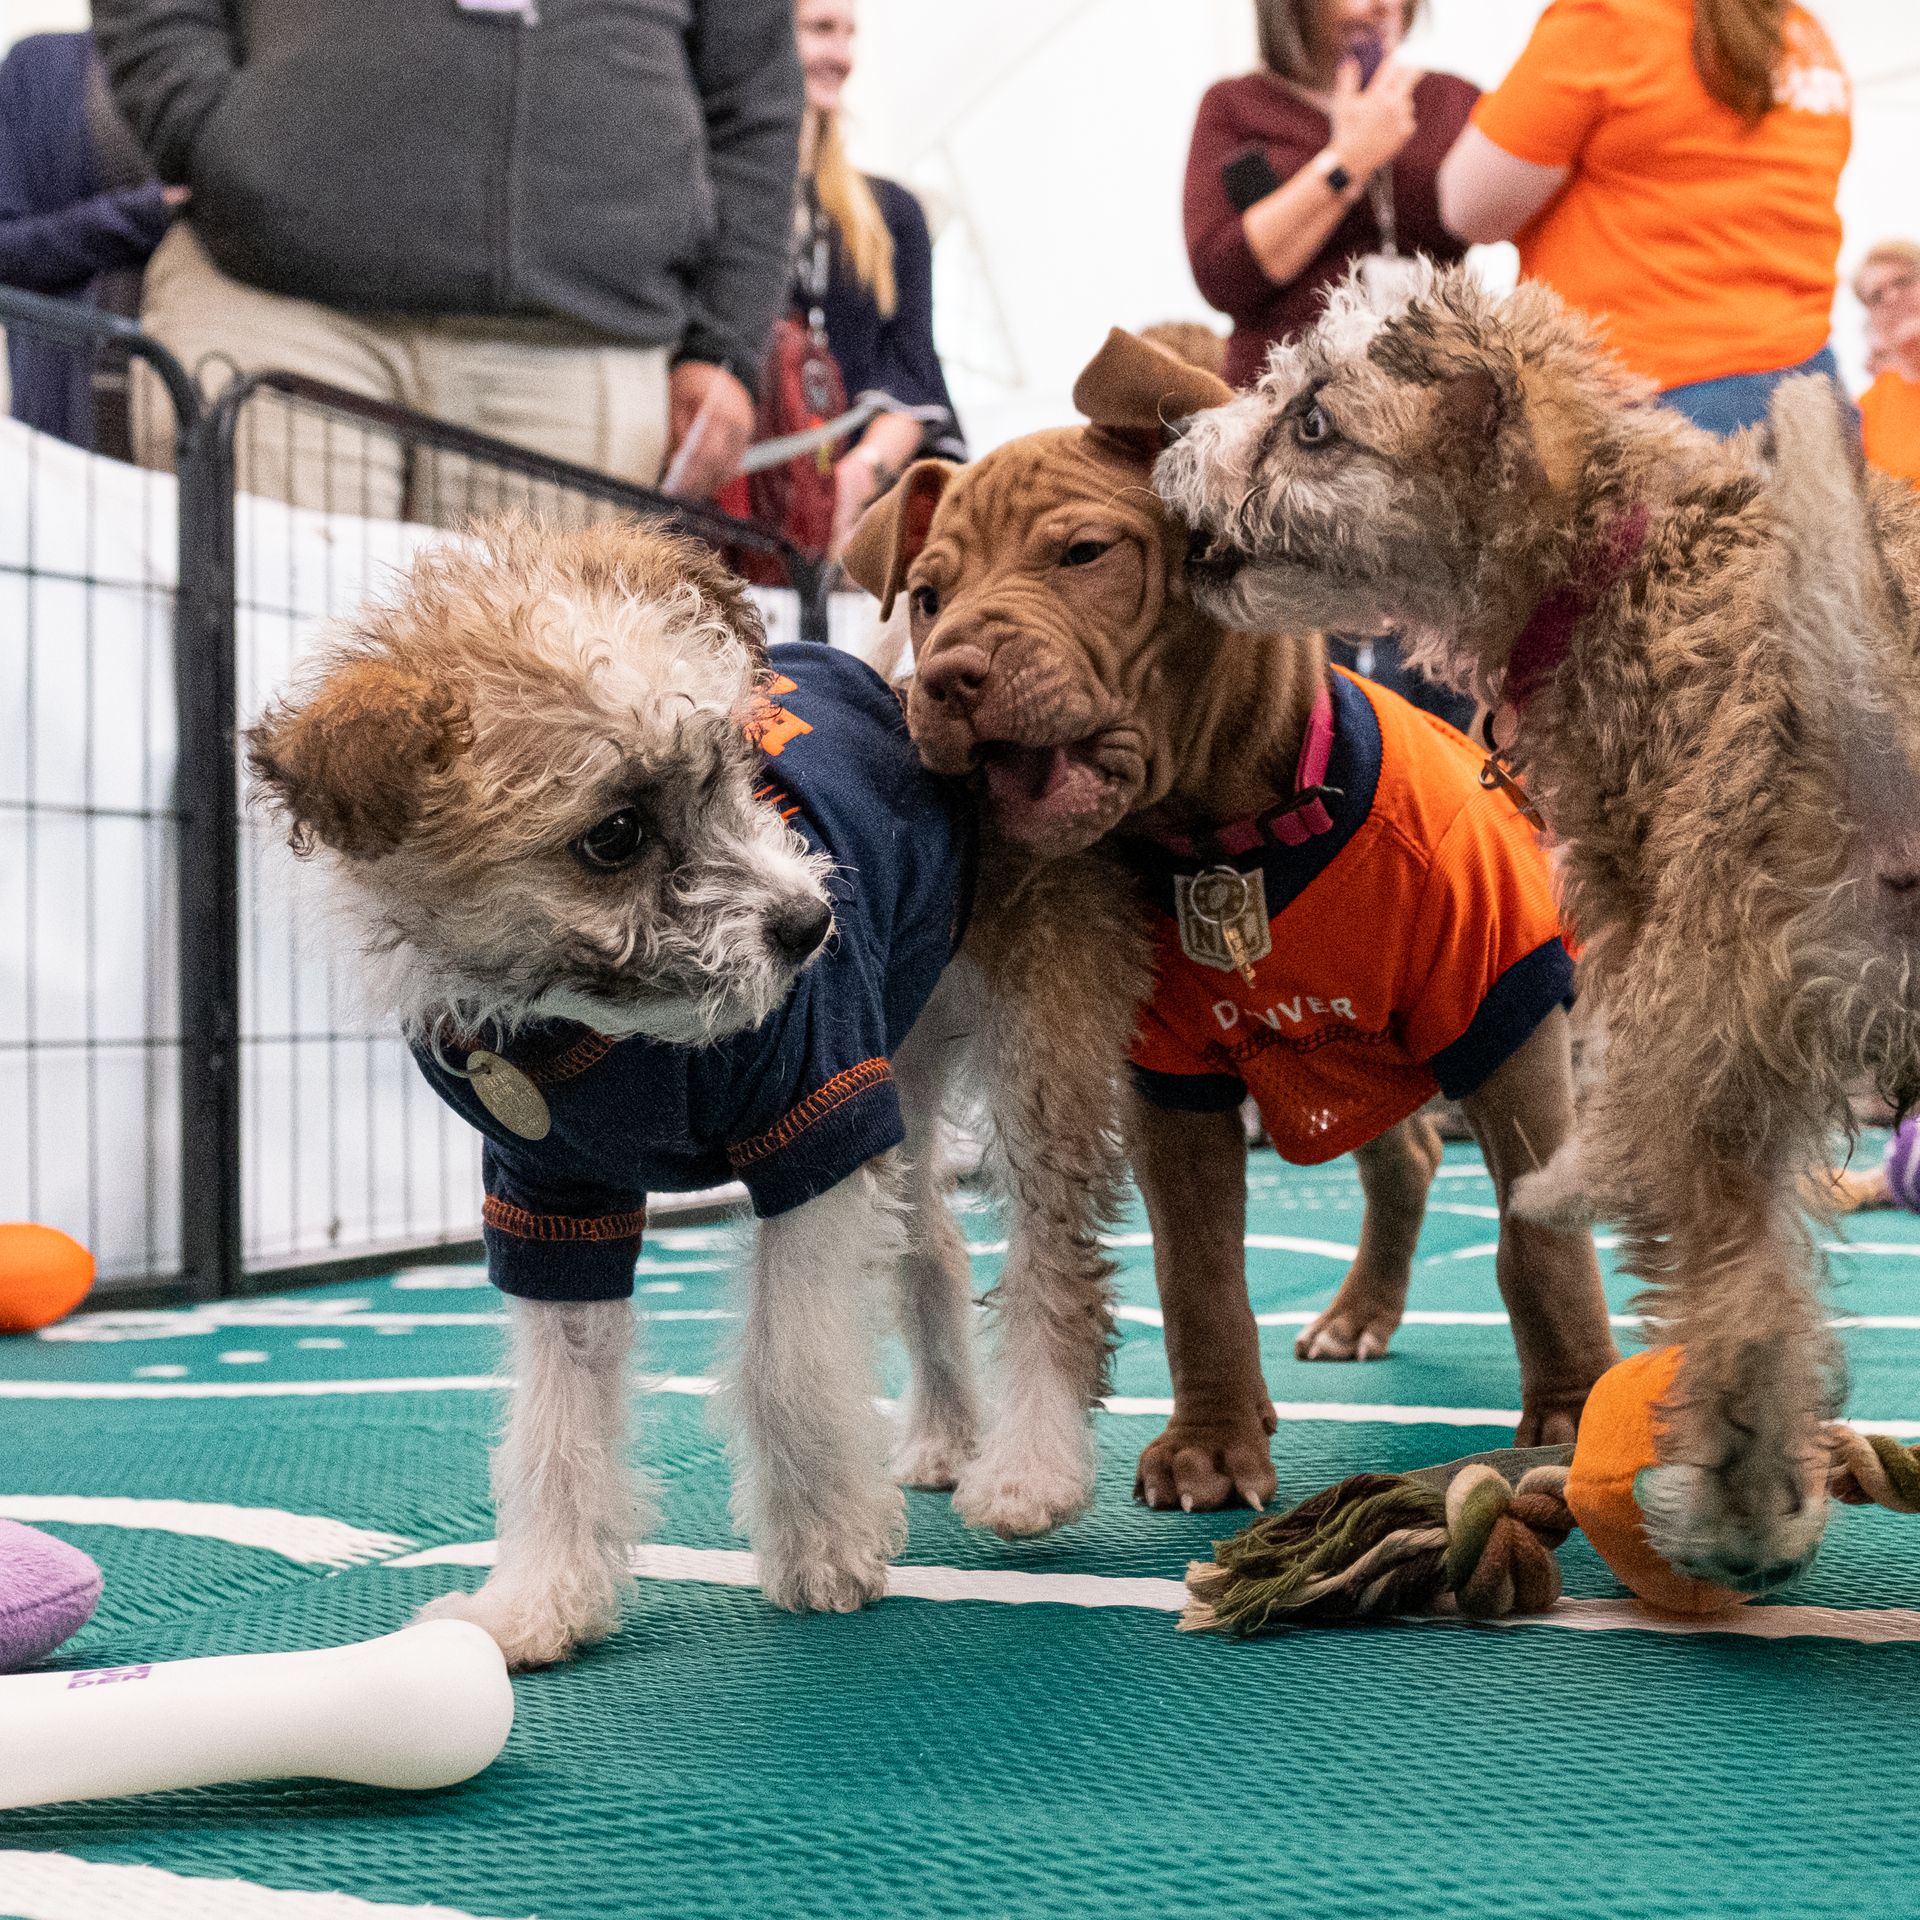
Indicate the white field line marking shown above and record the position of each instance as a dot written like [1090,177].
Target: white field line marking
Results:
[1609,1243]
[56,1886]
[730,1567]
[188,1327]
[240,1389]
[700,1386]
[1413,1317]
[310,1538]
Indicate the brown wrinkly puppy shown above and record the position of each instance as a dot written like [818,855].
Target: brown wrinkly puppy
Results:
[1703,659]
[1059,653]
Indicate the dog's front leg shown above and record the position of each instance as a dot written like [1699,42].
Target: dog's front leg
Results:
[565,1505]
[1521,1115]
[1066,970]
[941,1427]
[811,1487]
[1192,1170]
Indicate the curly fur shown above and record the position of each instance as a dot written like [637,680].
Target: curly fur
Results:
[447,750]
[1727,755]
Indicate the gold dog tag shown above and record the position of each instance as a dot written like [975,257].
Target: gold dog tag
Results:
[1223,919]
[509,1095]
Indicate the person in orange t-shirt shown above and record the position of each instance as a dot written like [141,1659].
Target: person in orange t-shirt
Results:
[1888,286]
[1672,166]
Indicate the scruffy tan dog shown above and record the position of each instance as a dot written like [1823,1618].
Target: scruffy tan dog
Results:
[658,907]
[1702,659]
[1060,658]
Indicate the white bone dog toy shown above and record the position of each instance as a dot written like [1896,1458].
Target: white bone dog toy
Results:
[420,1708]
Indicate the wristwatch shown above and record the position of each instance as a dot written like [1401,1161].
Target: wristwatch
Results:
[1337,177]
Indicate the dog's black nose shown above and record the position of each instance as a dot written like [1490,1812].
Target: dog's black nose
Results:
[798,928]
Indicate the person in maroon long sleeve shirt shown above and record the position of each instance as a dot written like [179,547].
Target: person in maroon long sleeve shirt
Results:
[1294,168]
[1325,156]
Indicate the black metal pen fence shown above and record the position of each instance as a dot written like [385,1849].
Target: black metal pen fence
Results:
[187,1083]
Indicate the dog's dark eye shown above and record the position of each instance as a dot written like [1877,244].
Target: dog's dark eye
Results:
[926,602]
[614,842]
[1313,427]
[1083,553]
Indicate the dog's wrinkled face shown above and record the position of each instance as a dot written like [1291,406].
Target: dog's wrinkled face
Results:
[1038,581]
[1405,465]
[533,777]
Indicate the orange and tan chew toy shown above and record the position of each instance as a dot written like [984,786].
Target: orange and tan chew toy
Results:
[1482,1544]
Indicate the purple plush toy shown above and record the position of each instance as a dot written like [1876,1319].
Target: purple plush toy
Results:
[48,1591]
[1902,1165]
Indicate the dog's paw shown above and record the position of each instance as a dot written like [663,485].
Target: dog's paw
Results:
[1697,1523]
[531,1629]
[1201,1466]
[1549,1420]
[933,1461]
[835,1563]
[832,1561]
[1016,1491]
[823,1586]
[1360,1330]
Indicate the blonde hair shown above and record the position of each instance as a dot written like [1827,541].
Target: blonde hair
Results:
[1297,40]
[847,198]
[1737,46]
[1889,253]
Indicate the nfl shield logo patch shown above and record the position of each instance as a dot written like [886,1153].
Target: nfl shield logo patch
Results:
[1223,917]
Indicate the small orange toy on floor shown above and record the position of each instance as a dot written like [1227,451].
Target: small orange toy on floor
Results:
[1478,1536]
[44,1275]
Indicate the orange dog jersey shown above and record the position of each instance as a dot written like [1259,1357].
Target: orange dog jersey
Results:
[1401,931]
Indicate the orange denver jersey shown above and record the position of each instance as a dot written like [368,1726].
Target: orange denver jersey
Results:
[1414,944]
[1890,420]
[1705,247]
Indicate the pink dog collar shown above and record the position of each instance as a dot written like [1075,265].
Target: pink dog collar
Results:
[1548,635]
[1293,822]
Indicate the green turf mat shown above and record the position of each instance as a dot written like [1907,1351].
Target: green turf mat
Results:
[973,1758]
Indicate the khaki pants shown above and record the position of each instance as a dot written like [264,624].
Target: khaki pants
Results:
[543,384]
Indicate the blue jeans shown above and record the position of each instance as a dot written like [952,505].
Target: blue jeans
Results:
[1739,400]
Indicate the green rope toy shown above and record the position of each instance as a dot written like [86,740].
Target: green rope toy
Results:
[1477,1537]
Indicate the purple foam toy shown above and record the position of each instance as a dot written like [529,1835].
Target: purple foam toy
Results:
[1903,1165]
[48,1591]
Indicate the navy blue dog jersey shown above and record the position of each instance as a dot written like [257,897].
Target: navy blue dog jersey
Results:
[792,1107]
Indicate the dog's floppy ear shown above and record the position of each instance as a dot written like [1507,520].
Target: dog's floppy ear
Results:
[1136,393]
[351,766]
[894,529]
[1487,405]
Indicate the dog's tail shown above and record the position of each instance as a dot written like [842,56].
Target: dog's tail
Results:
[1848,618]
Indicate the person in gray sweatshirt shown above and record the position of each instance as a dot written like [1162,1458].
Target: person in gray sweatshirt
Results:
[563,222]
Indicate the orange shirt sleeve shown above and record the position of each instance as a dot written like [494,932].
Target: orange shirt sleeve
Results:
[1548,104]
[1485,963]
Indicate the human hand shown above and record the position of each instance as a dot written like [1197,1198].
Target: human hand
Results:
[1372,123]
[710,418]
[856,483]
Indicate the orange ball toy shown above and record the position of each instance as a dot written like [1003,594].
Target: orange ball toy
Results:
[1619,1439]
[44,1274]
